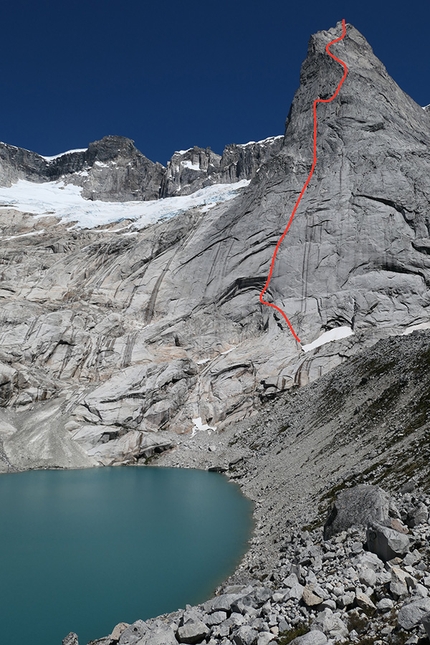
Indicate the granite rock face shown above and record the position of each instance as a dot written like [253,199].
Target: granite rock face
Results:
[131,337]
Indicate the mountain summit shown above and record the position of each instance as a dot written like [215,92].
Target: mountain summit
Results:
[117,339]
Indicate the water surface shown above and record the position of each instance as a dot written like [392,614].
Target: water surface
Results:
[83,550]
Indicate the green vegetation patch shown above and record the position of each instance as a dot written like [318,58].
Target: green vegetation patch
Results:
[291,634]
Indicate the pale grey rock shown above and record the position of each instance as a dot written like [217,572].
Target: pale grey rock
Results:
[356,506]
[330,623]
[265,638]
[245,636]
[190,170]
[235,620]
[71,639]
[385,542]
[420,590]
[134,633]
[411,614]
[385,604]
[401,582]
[309,597]
[425,620]
[192,632]
[258,597]
[163,635]
[216,618]
[314,637]
[367,576]
[118,630]
[295,592]
[369,560]
[223,602]
[346,599]
[363,601]
[418,515]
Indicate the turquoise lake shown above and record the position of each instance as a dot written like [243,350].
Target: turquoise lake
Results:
[82,550]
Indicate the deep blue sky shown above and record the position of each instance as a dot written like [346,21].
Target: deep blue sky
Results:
[176,73]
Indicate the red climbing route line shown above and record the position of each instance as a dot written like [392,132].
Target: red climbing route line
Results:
[311,172]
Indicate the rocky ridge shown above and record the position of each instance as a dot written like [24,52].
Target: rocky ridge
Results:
[114,170]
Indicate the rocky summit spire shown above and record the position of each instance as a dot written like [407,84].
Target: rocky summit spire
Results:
[357,252]
[363,224]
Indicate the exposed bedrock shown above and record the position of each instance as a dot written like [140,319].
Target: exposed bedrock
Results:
[158,331]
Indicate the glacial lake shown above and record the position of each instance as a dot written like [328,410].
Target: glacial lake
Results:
[82,550]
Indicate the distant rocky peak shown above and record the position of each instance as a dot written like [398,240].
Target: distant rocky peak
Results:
[110,148]
[189,170]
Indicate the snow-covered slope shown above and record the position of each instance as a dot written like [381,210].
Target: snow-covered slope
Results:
[66,201]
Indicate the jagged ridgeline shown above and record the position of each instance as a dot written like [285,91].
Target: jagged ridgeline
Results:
[117,338]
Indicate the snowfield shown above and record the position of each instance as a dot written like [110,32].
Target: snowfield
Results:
[65,201]
[328,337]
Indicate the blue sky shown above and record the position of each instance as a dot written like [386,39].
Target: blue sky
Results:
[174,74]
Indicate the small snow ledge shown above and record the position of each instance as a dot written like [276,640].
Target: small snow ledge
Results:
[328,337]
[68,152]
[199,425]
[412,328]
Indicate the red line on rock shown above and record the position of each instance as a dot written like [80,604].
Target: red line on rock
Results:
[311,172]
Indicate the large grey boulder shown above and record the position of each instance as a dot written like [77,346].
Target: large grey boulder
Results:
[245,635]
[411,615]
[314,637]
[192,632]
[356,506]
[256,598]
[134,633]
[386,542]
[223,602]
[425,620]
